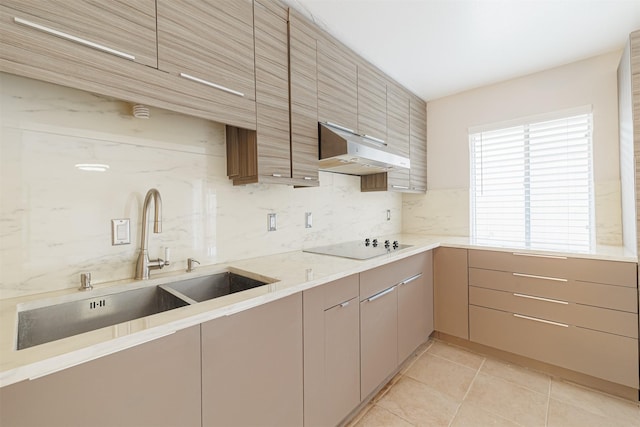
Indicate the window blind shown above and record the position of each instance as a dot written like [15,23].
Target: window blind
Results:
[532,184]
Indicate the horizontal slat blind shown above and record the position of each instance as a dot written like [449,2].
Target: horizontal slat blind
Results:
[532,184]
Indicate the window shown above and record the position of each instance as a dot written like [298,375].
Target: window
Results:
[532,184]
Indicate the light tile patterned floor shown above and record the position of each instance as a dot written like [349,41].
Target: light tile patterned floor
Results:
[452,387]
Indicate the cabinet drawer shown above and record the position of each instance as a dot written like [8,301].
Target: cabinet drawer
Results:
[380,278]
[596,294]
[607,356]
[340,291]
[588,270]
[599,319]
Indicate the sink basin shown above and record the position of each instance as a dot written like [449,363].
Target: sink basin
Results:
[205,288]
[45,324]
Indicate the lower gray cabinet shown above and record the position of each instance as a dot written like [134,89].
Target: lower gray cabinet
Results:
[153,384]
[331,352]
[252,366]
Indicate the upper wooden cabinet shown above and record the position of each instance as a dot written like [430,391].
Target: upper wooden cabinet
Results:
[121,28]
[418,145]
[210,45]
[272,91]
[372,102]
[398,121]
[303,86]
[337,83]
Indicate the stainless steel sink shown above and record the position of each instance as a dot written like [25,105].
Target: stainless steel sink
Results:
[45,324]
[205,288]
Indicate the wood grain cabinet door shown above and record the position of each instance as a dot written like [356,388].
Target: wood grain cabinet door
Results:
[451,291]
[418,144]
[151,385]
[252,366]
[210,45]
[337,84]
[272,90]
[126,29]
[398,133]
[372,102]
[303,82]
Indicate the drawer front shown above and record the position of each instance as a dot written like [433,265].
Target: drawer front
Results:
[340,291]
[588,270]
[607,356]
[380,278]
[599,319]
[596,294]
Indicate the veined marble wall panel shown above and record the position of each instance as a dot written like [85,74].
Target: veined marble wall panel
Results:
[55,220]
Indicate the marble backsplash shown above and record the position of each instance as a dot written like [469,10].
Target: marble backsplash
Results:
[55,220]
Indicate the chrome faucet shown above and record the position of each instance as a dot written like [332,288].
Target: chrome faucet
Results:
[144,264]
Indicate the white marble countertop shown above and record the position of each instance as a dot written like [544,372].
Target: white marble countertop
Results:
[292,272]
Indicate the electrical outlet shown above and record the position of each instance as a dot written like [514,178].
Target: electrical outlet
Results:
[271,222]
[388,214]
[308,220]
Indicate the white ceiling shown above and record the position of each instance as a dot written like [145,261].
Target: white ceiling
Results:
[441,47]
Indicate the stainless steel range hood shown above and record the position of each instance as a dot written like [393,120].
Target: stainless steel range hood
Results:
[343,151]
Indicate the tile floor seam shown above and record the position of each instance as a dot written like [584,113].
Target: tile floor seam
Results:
[546,418]
[517,383]
[467,392]
[458,363]
[399,416]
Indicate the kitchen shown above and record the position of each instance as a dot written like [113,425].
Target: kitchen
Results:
[206,217]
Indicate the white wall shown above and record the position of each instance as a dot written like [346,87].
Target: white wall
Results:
[55,219]
[445,207]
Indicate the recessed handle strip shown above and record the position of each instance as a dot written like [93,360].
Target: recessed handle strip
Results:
[411,279]
[276,175]
[308,178]
[381,294]
[533,276]
[208,83]
[400,187]
[344,304]
[539,256]
[72,38]
[374,139]
[535,319]
[541,299]
[419,188]
[337,126]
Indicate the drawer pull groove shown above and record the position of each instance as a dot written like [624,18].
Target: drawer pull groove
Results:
[72,38]
[541,299]
[539,256]
[213,85]
[535,319]
[410,279]
[533,276]
[381,294]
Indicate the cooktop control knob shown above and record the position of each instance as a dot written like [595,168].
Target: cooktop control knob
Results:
[367,242]
[395,244]
[387,244]
[375,243]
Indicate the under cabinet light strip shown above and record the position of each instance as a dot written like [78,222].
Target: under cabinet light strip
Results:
[535,319]
[533,276]
[73,38]
[208,83]
[541,299]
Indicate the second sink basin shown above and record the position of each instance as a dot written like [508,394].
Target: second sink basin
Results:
[216,285]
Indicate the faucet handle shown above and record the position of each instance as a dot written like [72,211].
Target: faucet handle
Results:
[85,282]
[190,266]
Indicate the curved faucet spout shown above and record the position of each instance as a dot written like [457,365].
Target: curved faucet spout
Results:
[143,264]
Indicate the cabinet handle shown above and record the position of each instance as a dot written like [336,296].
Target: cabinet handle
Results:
[344,304]
[539,256]
[309,178]
[400,187]
[337,126]
[533,276]
[208,83]
[410,279]
[541,299]
[420,188]
[276,175]
[75,39]
[535,319]
[374,139]
[381,294]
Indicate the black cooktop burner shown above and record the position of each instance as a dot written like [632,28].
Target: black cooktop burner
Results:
[359,249]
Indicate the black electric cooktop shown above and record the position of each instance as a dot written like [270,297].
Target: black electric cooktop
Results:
[359,249]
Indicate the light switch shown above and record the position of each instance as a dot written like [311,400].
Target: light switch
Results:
[271,222]
[120,232]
